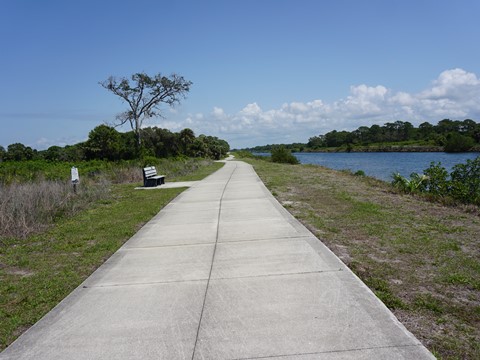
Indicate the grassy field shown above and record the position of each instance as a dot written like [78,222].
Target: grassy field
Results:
[40,270]
[421,259]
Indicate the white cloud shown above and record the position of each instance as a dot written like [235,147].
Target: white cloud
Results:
[44,143]
[454,94]
[218,113]
[453,84]
[403,99]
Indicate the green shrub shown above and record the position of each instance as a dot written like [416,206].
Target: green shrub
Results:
[243,154]
[414,184]
[239,154]
[437,182]
[281,154]
[465,182]
[149,161]
[462,184]
[458,143]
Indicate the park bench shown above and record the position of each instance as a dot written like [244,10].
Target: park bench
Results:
[150,177]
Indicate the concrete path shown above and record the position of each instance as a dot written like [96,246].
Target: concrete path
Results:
[222,272]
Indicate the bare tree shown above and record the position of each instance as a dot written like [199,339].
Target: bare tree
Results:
[145,95]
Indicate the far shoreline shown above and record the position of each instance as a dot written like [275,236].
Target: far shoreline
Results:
[388,148]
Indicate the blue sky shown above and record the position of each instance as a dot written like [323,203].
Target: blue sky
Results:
[263,71]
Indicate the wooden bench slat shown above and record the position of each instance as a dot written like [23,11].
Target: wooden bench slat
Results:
[150,177]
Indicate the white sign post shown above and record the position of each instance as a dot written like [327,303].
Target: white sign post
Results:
[75,178]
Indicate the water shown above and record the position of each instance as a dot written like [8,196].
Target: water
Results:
[383,164]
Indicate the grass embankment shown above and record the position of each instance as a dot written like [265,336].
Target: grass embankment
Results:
[421,259]
[38,271]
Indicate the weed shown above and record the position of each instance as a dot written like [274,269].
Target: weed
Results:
[428,302]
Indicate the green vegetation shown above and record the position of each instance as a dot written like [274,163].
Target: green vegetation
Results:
[35,193]
[421,258]
[38,269]
[106,143]
[415,183]
[456,142]
[461,185]
[115,172]
[242,154]
[447,135]
[281,155]
[200,172]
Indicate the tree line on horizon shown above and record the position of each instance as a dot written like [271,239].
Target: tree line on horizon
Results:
[106,143]
[144,96]
[451,135]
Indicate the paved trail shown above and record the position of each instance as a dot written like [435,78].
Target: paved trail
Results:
[222,272]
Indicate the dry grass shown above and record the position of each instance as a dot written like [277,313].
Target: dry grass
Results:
[422,259]
[31,207]
[172,169]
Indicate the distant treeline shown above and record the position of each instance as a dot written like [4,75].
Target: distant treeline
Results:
[447,135]
[106,143]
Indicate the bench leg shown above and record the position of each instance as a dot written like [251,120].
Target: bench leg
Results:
[150,183]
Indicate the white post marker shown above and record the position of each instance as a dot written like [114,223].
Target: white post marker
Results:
[75,178]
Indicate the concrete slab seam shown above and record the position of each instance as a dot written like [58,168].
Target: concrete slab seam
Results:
[215,279]
[211,266]
[278,275]
[293,238]
[142,283]
[166,246]
[331,352]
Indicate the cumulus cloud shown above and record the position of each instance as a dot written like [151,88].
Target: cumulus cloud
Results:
[454,94]
[218,113]
[452,84]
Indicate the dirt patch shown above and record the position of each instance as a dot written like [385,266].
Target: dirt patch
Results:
[19,272]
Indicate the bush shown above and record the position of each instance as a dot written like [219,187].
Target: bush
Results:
[414,184]
[239,154]
[462,184]
[465,182]
[458,143]
[282,155]
[243,154]
[437,179]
